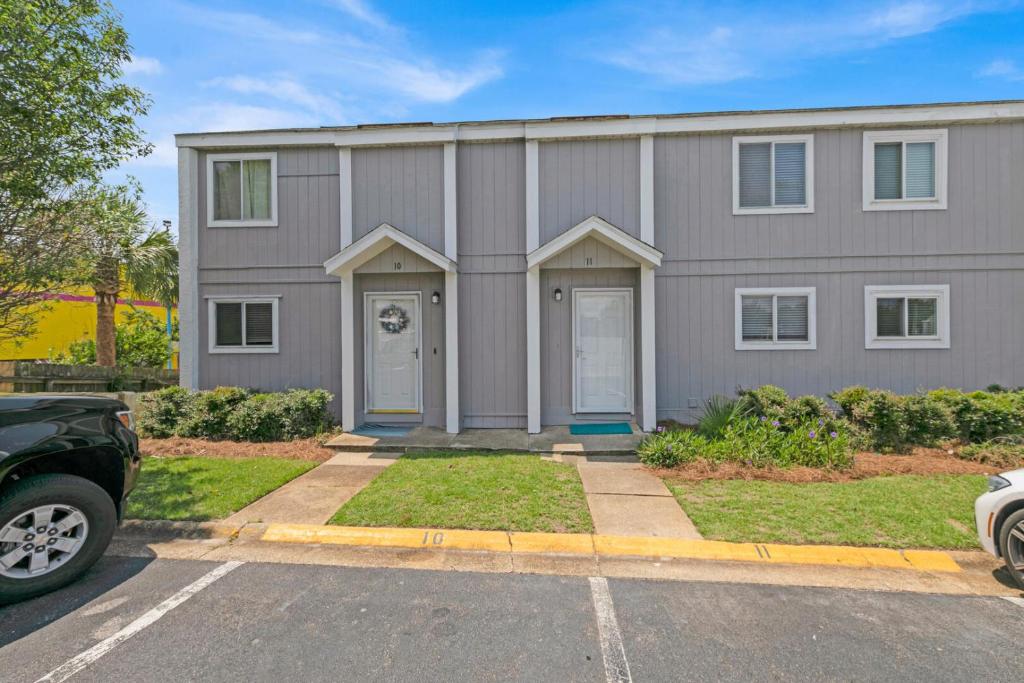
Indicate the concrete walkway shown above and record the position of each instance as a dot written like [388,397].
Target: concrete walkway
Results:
[627,500]
[314,497]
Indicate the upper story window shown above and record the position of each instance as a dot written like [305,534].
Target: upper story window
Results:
[241,189]
[775,318]
[905,170]
[773,174]
[906,317]
[243,325]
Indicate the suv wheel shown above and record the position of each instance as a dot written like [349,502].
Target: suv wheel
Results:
[52,528]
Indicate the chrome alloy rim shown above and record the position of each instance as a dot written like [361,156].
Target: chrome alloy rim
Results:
[1015,547]
[41,540]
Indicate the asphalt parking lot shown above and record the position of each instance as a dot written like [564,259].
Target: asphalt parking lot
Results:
[269,622]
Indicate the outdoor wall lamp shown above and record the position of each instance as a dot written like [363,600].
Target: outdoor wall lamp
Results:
[435,298]
[558,294]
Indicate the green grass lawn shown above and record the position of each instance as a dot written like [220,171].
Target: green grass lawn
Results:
[898,511]
[206,488]
[463,491]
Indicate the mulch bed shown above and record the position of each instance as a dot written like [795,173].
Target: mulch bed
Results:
[923,461]
[304,449]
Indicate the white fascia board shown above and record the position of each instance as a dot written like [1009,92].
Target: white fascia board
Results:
[375,242]
[604,232]
[612,127]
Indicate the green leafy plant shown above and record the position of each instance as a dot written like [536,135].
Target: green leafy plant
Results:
[161,412]
[720,411]
[141,342]
[208,412]
[1003,452]
[672,447]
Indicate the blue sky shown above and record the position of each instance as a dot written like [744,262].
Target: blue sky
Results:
[242,65]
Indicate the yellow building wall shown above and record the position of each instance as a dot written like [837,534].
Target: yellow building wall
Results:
[68,318]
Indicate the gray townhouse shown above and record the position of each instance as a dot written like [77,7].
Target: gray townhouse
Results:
[526,273]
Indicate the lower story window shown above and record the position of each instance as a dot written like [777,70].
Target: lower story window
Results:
[775,318]
[906,316]
[243,325]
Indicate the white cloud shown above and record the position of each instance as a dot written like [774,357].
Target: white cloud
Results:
[717,46]
[247,26]
[280,88]
[363,12]
[146,66]
[1002,68]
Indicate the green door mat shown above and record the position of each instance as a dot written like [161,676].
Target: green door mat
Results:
[595,428]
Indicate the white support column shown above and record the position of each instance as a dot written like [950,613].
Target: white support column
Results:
[533,350]
[451,352]
[647,189]
[532,196]
[345,179]
[188,266]
[648,350]
[451,232]
[348,358]
[451,291]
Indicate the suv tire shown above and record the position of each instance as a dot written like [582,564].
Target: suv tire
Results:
[68,492]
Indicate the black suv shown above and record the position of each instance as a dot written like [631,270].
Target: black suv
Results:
[67,464]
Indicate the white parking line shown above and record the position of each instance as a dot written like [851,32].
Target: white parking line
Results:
[79,662]
[616,668]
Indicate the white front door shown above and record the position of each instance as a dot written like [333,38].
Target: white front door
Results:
[392,331]
[603,340]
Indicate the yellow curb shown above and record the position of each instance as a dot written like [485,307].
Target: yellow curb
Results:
[402,538]
[931,561]
[601,545]
[675,547]
[531,542]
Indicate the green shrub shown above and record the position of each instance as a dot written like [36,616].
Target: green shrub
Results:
[292,414]
[720,411]
[981,416]
[235,413]
[775,405]
[1004,452]
[140,341]
[672,447]
[160,412]
[768,401]
[850,398]
[209,412]
[927,422]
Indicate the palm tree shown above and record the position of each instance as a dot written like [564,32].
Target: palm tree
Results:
[121,251]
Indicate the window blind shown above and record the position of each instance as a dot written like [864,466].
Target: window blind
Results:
[922,317]
[227,189]
[889,317]
[792,318]
[888,170]
[755,175]
[756,312]
[259,324]
[790,176]
[921,170]
[229,324]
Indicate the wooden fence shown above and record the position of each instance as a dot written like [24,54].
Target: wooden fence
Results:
[28,377]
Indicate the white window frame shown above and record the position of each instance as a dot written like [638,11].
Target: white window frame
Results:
[241,223]
[211,304]
[807,207]
[775,345]
[939,136]
[874,292]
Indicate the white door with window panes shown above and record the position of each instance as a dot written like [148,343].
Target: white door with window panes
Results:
[393,363]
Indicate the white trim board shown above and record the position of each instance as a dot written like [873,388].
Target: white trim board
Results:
[603,232]
[931,114]
[376,242]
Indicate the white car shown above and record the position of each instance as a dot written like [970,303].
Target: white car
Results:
[999,515]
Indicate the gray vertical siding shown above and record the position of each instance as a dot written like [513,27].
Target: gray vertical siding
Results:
[403,186]
[582,178]
[492,284]
[976,246]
